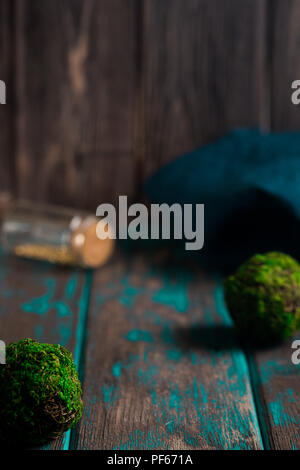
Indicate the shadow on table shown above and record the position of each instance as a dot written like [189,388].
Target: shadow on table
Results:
[215,338]
[211,337]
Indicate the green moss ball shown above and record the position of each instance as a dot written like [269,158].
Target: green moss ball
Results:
[40,393]
[263,297]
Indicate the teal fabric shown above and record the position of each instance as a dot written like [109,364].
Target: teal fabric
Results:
[250,185]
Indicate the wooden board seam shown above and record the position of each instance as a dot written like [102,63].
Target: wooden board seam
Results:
[244,361]
[80,342]
[255,383]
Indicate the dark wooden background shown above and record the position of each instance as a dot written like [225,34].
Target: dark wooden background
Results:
[103,92]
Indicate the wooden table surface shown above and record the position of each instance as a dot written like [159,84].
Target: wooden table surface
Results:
[157,354]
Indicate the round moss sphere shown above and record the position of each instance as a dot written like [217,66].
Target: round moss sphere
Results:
[40,393]
[263,298]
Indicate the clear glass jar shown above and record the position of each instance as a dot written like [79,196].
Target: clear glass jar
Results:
[54,234]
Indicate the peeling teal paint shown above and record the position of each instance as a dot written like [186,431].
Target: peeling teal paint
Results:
[83,305]
[204,395]
[174,355]
[139,335]
[129,294]
[166,334]
[153,396]
[291,398]
[174,294]
[62,308]
[147,375]
[117,369]
[41,305]
[71,287]
[64,332]
[278,412]
[109,394]
[274,367]
[175,399]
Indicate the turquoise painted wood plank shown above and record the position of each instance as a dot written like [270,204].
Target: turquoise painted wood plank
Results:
[277,383]
[163,369]
[46,303]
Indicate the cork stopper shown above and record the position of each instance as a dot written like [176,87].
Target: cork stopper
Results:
[91,251]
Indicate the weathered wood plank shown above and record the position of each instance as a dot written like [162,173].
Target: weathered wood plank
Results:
[45,303]
[7,182]
[204,72]
[285,18]
[277,382]
[162,367]
[76,79]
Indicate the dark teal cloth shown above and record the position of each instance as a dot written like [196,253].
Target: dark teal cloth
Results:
[250,184]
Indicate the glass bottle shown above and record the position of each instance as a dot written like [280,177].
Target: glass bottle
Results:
[54,234]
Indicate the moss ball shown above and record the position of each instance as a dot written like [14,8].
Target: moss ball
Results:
[40,393]
[263,297]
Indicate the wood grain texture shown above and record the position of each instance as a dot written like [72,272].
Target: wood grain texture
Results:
[76,79]
[45,303]
[162,367]
[80,70]
[6,110]
[204,73]
[285,18]
[277,383]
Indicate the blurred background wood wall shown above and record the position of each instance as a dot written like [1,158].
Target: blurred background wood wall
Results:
[101,93]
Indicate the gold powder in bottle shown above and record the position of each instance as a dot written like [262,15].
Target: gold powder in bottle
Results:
[59,255]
